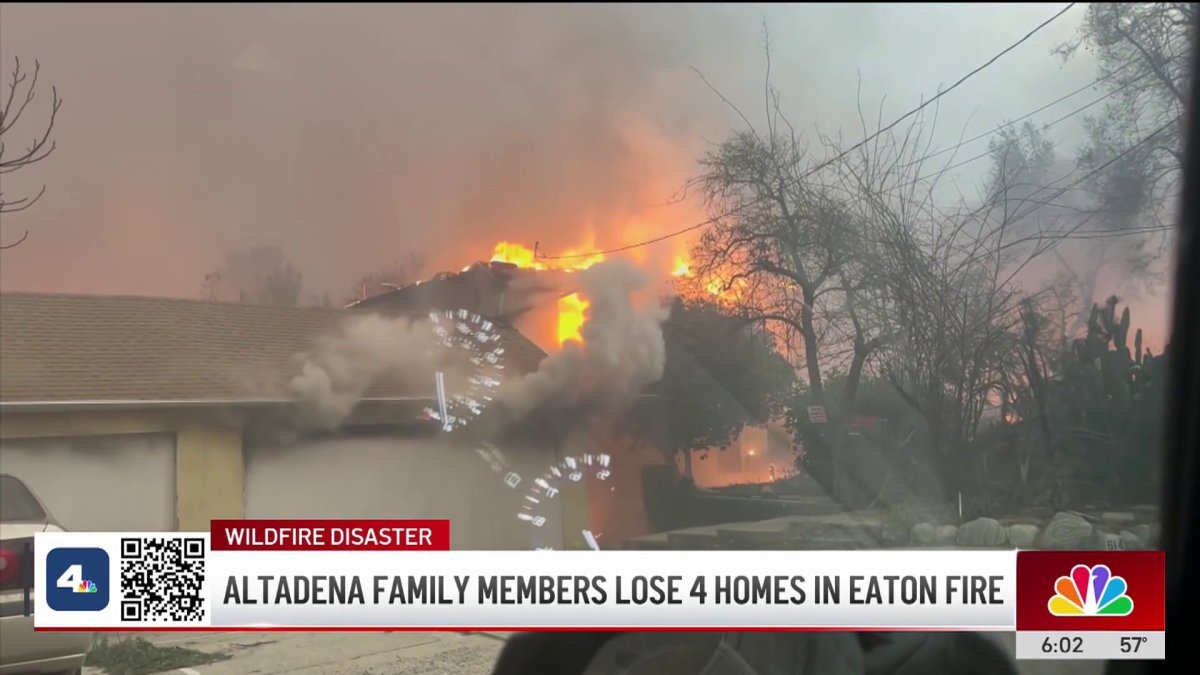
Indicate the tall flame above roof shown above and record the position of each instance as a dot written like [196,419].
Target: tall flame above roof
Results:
[572,309]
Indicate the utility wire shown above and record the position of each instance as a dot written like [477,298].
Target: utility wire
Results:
[1049,105]
[1069,233]
[988,152]
[827,163]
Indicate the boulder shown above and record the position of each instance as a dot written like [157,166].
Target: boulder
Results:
[1118,517]
[1091,516]
[1106,541]
[1066,531]
[893,533]
[1145,511]
[1034,515]
[1147,533]
[1022,535]
[944,535]
[1132,542]
[924,534]
[981,532]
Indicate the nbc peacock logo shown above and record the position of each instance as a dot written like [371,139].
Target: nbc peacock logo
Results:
[1091,591]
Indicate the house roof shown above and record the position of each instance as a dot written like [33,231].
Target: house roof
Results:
[103,349]
[483,287]
[461,289]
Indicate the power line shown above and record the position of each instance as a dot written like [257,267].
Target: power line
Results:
[834,159]
[940,94]
[1109,234]
[988,153]
[1069,234]
[1049,105]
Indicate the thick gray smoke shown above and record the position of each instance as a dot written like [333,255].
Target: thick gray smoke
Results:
[335,375]
[351,135]
[622,353]
[622,350]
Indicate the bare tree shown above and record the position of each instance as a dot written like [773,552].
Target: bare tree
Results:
[861,264]
[20,92]
[1144,53]
[786,252]
[260,275]
[856,266]
[399,273]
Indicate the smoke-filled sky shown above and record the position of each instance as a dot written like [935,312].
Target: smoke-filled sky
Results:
[352,135]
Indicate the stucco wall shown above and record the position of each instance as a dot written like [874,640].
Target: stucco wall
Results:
[209,473]
[122,482]
[160,470]
[394,476]
[198,474]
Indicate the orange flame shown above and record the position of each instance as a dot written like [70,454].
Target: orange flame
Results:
[681,268]
[571,311]
[571,308]
[519,255]
[716,285]
[515,254]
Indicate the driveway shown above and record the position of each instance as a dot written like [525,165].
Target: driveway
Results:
[400,653]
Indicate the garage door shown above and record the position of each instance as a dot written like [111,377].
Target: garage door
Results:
[123,483]
[395,477]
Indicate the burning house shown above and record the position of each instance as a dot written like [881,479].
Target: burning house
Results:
[180,425]
[157,410]
[542,310]
[482,287]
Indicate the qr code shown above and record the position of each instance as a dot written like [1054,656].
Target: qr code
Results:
[162,579]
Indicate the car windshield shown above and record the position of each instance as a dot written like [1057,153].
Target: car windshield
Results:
[648,277]
[17,503]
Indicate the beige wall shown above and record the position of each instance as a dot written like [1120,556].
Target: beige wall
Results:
[204,456]
[405,477]
[123,464]
[97,483]
[209,475]
[616,511]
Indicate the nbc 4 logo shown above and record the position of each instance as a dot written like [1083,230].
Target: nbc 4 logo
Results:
[77,579]
[1090,591]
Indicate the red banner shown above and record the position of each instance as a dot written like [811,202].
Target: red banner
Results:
[1068,591]
[330,535]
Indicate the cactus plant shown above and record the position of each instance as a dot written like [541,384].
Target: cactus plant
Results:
[1113,401]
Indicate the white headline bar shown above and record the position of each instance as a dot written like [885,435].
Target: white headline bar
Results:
[166,585]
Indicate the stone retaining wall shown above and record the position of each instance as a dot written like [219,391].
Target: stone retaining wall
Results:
[1132,529]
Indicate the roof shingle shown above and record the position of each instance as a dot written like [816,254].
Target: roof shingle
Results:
[60,348]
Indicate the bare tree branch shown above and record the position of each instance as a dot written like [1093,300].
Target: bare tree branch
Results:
[15,243]
[41,146]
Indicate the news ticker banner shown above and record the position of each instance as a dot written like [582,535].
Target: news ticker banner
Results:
[401,575]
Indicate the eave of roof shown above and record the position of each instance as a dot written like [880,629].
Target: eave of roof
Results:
[70,406]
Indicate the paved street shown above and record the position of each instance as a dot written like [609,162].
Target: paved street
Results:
[340,653]
[401,653]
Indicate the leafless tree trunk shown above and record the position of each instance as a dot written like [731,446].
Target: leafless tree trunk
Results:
[20,92]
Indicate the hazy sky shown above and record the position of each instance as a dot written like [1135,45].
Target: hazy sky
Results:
[350,135]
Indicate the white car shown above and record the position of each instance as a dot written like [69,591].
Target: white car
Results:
[21,649]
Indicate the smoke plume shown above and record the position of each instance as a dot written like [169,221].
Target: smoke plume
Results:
[622,353]
[339,370]
[351,135]
[622,350]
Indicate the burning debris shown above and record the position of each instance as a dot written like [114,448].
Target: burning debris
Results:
[610,342]
[620,352]
[571,307]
